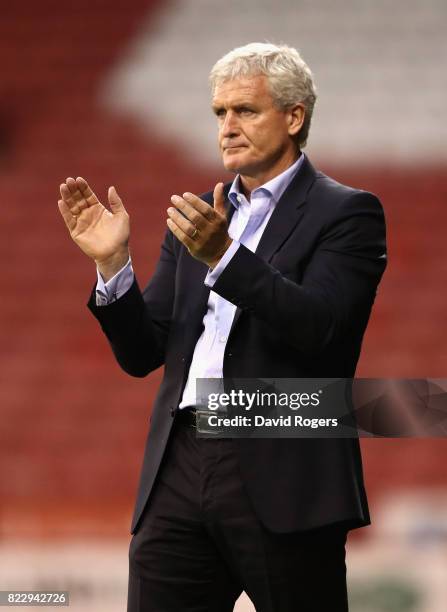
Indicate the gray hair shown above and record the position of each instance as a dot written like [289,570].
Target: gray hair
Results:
[290,79]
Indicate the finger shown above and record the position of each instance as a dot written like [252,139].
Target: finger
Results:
[68,199]
[180,234]
[199,205]
[219,200]
[186,226]
[189,211]
[74,190]
[76,194]
[116,203]
[70,220]
[73,196]
[87,193]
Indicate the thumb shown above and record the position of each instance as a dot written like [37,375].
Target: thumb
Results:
[116,203]
[219,200]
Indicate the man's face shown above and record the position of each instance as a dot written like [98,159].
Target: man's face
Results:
[254,135]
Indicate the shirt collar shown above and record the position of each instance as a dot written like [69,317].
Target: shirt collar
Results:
[274,188]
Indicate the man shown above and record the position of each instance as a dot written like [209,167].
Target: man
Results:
[271,276]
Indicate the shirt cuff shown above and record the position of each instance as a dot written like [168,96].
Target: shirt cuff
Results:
[214,274]
[113,289]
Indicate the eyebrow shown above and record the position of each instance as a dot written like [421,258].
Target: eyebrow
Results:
[242,105]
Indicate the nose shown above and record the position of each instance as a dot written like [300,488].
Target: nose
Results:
[229,126]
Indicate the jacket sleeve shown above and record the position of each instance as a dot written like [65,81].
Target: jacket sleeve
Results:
[137,324]
[338,284]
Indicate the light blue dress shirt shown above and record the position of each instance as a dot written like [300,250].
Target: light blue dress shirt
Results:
[246,227]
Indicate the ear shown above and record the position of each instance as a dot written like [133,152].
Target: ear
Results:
[295,118]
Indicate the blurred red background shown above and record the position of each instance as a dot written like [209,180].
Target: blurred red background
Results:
[72,424]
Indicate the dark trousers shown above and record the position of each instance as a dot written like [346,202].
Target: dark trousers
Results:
[200,544]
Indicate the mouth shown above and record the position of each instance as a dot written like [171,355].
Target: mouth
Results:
[232,148]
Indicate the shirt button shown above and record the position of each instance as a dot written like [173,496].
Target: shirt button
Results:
[223,338]
[238,198]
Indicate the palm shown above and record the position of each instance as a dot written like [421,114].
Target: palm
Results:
[97,231]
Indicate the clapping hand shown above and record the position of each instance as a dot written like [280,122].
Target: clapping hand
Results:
[200,227]
[100,233]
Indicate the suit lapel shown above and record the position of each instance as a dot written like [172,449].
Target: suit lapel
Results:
[285,217]
[288,212]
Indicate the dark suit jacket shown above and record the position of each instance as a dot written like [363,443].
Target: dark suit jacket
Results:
[303,302]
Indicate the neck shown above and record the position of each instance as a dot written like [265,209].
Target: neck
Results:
[249,183]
